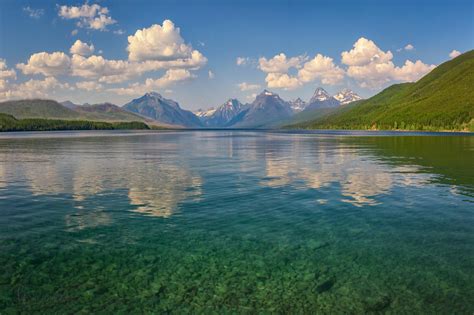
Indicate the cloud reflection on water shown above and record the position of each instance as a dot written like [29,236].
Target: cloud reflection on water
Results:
[318,164]
[157,173]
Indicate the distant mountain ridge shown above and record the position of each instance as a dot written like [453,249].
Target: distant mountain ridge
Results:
[298,105]
[107,112]
[69,104]
[268,109]
[321,99]
[154,106]
[347,96]
[222,115]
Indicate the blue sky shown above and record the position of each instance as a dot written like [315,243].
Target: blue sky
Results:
[378,37]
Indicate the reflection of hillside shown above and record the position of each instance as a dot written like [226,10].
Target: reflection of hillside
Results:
[3,176]
[451,158]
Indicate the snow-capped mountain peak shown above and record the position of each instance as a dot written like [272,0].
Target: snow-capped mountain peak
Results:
[156,107]
[320,95]
[153,95]
[205,113]
[221,115]
[266,94]
[298,105]
[347,96]
[232,103]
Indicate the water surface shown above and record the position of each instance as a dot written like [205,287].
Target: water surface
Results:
[236,222]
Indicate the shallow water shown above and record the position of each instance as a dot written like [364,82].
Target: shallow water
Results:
[236,221]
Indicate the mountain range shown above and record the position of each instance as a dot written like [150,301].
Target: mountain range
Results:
[222,115]
[443,99]
[268,109]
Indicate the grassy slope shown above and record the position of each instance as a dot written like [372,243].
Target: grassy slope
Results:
[49,109]
[10,123]
[443,99]
[37,109]
[108,112]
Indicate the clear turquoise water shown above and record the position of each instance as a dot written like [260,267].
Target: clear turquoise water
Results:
[244,222]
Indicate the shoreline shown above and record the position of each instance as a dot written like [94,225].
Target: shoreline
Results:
[336,132]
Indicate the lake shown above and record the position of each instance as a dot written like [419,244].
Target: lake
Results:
[236,221]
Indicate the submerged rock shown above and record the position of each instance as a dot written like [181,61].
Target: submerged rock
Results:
[380,304]
[326,285]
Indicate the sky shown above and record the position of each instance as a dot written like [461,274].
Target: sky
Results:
[201,53]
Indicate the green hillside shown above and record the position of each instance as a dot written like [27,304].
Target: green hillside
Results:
[303,117]
[10,123]
[107,112]
[441,100]
[37,108]
[49,109]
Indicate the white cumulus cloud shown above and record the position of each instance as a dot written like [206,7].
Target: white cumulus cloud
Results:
[171,75]
[31,89]
[89,86]
[6,73]
[48,64]
[89,16]
[321,68]
[372,67]
[152,50]
[110,71]
[411,71]
[158,42]
[279,63]
[81,48]
[364,52]
[454,53]
[282,81]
